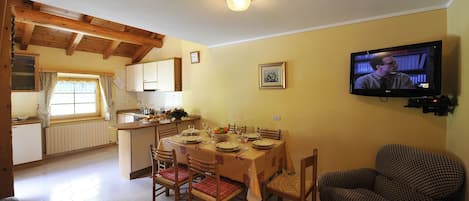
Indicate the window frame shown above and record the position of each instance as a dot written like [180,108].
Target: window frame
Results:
[84,115]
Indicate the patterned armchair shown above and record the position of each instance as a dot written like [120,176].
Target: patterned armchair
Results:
[402,173]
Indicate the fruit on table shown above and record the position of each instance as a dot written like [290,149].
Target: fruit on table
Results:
[220,130]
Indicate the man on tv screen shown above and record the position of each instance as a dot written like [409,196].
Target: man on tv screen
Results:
[385,75]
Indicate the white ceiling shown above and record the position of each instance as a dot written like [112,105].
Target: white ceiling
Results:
[211,23]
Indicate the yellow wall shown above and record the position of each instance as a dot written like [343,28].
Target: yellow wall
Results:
[458,34]
[316,108]
[25,103]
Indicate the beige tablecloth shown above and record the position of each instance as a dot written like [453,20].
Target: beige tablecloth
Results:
[248,165]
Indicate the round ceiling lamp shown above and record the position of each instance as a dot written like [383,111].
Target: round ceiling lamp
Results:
[238,5]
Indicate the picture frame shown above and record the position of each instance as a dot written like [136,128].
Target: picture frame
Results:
[195,57]
[272,75]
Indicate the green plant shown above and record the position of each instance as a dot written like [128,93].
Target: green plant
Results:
[178,113]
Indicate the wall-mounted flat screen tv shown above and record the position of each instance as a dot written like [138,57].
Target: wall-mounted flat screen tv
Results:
[403,71]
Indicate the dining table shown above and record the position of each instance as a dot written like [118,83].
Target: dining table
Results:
[251,161]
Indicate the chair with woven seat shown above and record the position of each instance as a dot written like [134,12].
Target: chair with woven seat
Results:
[232,128]
[402,173]
[297,187]
[164,131]
[166,172]
[211,187]
[269,133]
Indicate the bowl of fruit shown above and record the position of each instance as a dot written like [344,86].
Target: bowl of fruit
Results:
[221,133]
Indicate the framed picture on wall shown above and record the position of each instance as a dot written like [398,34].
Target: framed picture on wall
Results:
[272,75]
[195,57]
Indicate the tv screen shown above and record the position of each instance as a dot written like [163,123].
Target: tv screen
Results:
[403,71]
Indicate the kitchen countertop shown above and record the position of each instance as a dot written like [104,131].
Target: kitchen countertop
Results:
[138,124]
[30,120]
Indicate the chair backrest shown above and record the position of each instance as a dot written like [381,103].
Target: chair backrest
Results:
[232,128]
[269,133]
[162,159]
[432,175]
[166,131]
[310,161]
[204,168]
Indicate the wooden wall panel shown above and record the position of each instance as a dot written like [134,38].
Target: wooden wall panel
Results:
[6,161]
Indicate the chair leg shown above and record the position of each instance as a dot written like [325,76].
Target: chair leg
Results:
[154,191]
[176,193]
[166,192]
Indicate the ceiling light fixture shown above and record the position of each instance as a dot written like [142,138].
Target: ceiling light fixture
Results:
[238,5]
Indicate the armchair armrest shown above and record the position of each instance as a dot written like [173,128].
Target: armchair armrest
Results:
[357,178]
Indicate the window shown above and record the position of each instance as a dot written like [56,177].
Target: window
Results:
[75,97]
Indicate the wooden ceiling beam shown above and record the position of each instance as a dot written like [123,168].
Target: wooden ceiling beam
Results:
[76,38]
[30,16]
[28,33]
[108,52]
[142,51]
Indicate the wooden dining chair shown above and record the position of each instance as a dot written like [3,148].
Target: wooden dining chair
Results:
[211,187]
[269,133]
[166,172]
[164,131]
[297,187]
[232,128]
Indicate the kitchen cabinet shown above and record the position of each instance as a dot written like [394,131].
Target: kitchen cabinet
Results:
[150,76]
[27,143]
[24,73]
[134,77]
[164,75]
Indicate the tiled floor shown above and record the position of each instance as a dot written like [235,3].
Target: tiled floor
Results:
[89,176]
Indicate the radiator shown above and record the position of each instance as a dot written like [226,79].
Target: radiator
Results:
[78,135]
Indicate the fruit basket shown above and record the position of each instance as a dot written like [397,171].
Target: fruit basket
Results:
[221,134]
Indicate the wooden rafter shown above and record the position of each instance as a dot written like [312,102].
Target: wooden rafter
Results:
[30,16]
[108,52]
[142,51]
[28,33]
[76,38]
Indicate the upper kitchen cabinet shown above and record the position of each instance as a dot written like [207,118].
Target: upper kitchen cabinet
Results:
[150,76]
[164,75]
[134,77]
[169,75]
[24,73]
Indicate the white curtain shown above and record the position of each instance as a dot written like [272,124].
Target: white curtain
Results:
[106,88]
[48,81]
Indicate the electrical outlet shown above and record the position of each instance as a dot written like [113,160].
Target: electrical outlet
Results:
[276,118]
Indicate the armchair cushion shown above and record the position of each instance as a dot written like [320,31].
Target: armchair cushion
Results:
[358,178]
[342,194]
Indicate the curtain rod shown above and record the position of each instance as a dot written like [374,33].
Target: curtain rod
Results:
[75,71]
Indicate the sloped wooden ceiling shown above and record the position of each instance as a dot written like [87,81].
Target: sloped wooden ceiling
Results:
[43,25]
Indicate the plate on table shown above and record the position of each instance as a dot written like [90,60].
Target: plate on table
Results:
[190,132]
[227,146]
[229,150]
[252,136]
[191,139]
[263,144]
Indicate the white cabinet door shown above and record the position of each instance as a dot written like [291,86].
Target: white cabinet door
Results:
[27,143]
[134,77]
[150,76]
[166,75]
